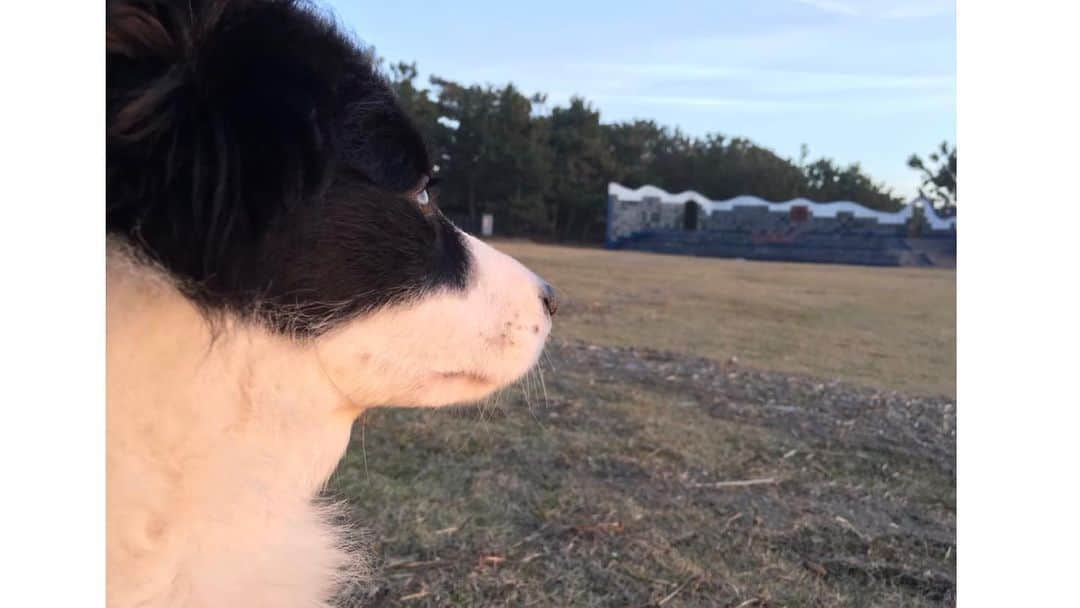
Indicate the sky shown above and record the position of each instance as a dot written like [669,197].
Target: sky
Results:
[868,81]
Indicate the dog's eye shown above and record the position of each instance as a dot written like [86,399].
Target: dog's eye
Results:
[423,193]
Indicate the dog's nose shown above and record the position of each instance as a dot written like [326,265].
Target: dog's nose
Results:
[549,299]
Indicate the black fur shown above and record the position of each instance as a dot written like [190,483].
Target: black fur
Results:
[257,154]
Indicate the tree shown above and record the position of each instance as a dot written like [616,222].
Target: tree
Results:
[546,174]
[632,147]
[495,155]
[416,102]
[827,181]
[939,179]
[519,163]
[581,167]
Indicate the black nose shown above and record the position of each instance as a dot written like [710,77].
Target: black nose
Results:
[550,300]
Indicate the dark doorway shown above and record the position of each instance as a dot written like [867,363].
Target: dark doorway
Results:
[691,211]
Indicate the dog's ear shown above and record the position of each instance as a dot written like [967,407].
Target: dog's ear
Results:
[220,115]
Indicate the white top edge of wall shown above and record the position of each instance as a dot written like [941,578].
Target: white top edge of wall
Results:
[816,209]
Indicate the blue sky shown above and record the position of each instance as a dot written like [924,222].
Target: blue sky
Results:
[858,80]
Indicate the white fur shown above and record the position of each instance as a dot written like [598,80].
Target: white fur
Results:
[217,445]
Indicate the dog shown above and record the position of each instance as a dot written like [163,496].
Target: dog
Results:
[276,264]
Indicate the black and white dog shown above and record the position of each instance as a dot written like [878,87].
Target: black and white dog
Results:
[275,266]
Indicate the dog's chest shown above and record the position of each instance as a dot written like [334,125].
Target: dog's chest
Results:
[214,503]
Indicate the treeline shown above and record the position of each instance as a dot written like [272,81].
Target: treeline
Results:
[544,173]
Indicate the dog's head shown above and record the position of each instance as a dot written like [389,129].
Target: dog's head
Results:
[257,155]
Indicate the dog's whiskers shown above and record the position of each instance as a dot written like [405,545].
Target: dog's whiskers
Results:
[484,405]
[533,386]
[543,385]
[524,385]
[545,355]
[363,446]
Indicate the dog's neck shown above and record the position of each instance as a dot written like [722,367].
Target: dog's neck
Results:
[217,443]
[171,355]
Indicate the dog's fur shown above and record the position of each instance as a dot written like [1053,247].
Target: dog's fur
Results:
[274,269]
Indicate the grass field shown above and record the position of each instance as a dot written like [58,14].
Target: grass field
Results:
[886,327]
[646,468]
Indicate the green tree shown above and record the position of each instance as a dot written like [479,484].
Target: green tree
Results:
[581,167]
[632,147]
[939,178]
[493,154]
[732,167]
[464,146]
[827,181]
[546,174]
[417,102]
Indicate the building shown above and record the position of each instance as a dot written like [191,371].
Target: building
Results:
[800,230]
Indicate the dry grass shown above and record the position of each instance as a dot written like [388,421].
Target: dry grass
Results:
[641,477]
[885,327]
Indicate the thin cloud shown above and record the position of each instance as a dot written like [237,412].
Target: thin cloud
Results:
[788,81]
[729,103]
[888,9]
[831,6]
[767,106]
[920,10]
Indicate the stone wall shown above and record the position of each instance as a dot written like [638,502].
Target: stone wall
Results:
[650,219]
